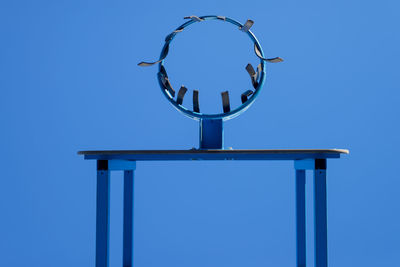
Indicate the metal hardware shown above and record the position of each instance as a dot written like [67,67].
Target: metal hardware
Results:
[196,106]
[181,94]
[245,96]
[225,102]
[246,27]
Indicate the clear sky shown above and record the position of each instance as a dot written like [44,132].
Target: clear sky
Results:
[69,81]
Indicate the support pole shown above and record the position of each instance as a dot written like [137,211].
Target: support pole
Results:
[320,214]
[211,134]
[102,213]
[128,218]
[300,218]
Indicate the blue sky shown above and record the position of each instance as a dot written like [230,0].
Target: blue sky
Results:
[70,81]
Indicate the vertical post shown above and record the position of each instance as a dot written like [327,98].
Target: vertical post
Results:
[102,213]
[211,134]
[128,218]
[320,214]
[300,218]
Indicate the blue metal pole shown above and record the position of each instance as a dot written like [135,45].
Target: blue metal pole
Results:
[211,134]
[102,213]
[128,218]
[300,218]
[320,214]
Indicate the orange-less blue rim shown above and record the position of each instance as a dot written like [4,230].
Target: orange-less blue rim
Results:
[198,115]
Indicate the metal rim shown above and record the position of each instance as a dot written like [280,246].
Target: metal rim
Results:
[228,115]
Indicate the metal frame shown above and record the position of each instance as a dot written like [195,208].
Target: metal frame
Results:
[315,160]
[104,168]
[318,166]
[212,124]
[202,116]
[211,134]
